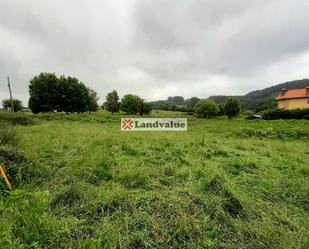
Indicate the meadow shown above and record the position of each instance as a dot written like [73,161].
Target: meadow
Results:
[79,182]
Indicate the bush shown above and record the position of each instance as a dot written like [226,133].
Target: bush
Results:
[286,114]
[16,119]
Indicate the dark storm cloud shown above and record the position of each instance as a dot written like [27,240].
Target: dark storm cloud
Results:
[155,48]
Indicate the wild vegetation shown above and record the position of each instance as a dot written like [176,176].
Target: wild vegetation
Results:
[81,183]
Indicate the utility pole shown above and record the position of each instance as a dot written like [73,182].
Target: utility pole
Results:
[9,86]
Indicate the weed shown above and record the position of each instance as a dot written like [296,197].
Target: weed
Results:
[14,163]
[68,197]
[233,206]
[239,166]
[134,179]
[215,185]
[7,134]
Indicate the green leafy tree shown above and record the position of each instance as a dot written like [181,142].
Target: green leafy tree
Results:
[232,107]
[42,90]
[112,103]
[6,103]
[221,109]
[93,100]
[104,106]
[71,95]
[68,94]
[206,109]
[145,108]
[131,104]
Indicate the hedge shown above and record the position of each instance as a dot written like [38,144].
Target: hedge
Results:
[286,114]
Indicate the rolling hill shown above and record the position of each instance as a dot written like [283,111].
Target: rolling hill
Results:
[257,100]
[262,99]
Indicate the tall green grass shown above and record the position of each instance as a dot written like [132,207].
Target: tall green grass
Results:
[82,183]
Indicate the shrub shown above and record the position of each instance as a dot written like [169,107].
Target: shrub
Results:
[16,119]
[286,114]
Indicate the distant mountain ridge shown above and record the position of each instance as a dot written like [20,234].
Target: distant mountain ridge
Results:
[268,91]
[257,100]
[296,84]
[262,99]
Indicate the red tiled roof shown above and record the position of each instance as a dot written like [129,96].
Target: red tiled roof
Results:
[294,94]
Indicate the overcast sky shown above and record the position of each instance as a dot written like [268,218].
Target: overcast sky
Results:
[155,48]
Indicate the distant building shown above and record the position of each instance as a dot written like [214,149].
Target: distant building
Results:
[293,99]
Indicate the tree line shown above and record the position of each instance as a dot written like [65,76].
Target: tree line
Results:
[130,103]
[207,109]
[50,93]
[204,108]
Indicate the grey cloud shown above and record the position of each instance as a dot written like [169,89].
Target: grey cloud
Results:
[155,48]
[221,38]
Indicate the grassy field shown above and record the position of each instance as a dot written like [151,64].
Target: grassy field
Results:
[79,182]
